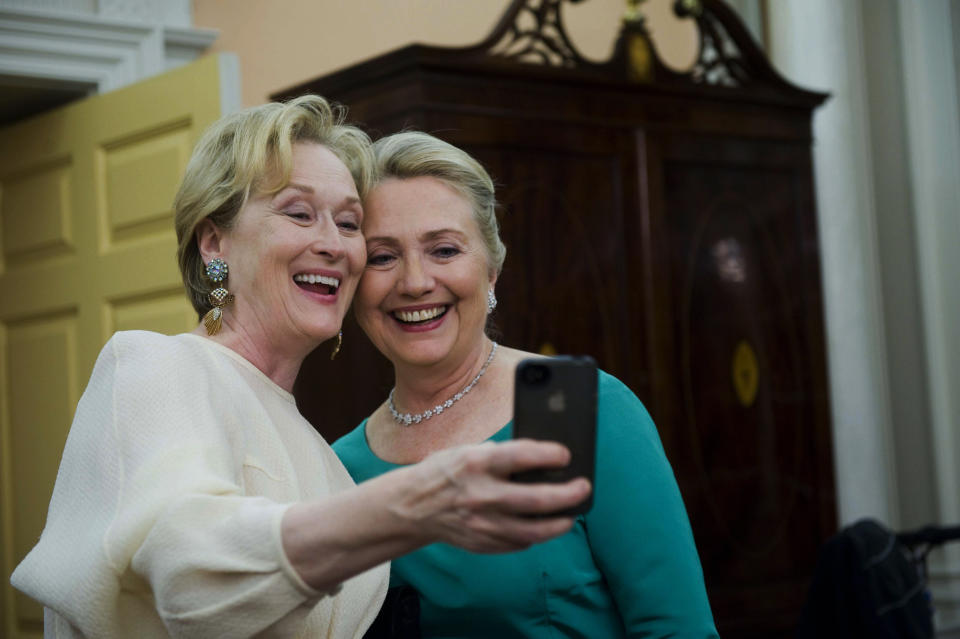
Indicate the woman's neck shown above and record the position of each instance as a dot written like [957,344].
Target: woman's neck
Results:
[280,360]
[419,388]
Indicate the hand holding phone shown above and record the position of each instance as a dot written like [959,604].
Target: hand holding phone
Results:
[555,398]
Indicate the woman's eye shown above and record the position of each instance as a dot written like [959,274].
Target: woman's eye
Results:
[349,225]
[379,259]
[446,251]
[298,215]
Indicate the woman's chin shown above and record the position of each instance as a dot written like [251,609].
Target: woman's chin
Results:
[322,333]
[421,354]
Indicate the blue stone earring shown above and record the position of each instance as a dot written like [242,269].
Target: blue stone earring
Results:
[219,297]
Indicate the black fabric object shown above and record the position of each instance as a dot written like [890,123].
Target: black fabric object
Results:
[866,584]
[399,617]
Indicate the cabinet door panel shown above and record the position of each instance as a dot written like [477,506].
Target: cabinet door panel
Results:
[564,285]
[745,376]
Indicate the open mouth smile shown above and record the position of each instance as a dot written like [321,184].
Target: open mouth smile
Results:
[315,283]
[420,316]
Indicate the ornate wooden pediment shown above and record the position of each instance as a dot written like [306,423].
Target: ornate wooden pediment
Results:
[530,39]
[533,32]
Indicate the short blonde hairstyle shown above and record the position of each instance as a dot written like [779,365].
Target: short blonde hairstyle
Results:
[415,154]
[251,152]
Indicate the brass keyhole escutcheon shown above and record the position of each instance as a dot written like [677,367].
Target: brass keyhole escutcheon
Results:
[548,349]
[746,373]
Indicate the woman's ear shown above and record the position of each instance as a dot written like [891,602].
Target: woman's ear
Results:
[209,240]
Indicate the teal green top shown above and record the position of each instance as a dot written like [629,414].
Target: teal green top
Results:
[628,568]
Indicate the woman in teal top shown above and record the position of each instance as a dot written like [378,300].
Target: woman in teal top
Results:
[629,567]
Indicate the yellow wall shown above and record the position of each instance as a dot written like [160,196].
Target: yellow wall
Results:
[284,42]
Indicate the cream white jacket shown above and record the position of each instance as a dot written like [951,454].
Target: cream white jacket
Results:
[165,518]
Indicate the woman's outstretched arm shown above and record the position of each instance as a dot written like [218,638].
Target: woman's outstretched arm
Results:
[461,496]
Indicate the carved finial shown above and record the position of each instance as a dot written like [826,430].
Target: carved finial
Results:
[688,8]
[633,15]
[639,55]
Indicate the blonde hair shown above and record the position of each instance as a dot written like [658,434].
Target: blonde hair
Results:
[251,152]
[415,154]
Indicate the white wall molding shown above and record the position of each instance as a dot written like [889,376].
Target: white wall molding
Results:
[183,45]
[933,125]
[900,283]
[171,13]
[105,53]
[933,142]
[230,90]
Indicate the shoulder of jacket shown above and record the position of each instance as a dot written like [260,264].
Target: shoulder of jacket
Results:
[142,351]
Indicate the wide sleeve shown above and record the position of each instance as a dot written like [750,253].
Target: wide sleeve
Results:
[149,504]
[638,529]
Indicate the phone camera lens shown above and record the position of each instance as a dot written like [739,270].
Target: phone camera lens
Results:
[535,374]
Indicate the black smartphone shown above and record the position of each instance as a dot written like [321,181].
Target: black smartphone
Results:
[555,398]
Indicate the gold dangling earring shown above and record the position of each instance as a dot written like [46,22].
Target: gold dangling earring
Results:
[219,297]
[336,349]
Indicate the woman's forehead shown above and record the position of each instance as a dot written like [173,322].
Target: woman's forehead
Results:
[416,198]
[314,168]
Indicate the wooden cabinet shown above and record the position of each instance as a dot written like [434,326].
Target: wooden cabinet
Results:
[665,224]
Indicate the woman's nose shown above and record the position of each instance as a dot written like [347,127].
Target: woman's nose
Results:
[415,280]
[328,241]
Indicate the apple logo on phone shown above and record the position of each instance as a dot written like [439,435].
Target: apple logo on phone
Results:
[557,402]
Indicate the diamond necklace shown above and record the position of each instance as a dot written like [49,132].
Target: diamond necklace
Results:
[406,418]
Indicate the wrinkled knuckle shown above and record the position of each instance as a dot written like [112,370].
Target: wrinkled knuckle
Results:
[463,503]
[472,501]
[475,460]
[540,502]
[535,501]
[475,521]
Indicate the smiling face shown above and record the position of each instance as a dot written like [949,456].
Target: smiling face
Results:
[423,296]
[295,256]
